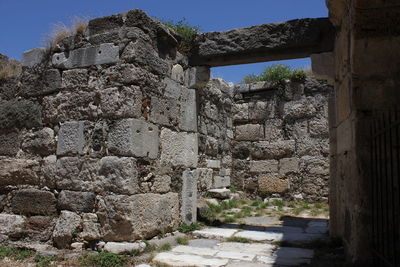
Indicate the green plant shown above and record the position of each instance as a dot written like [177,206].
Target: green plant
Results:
[186,228]
[256,203]
[103,259]
[42,261]
[233,189]
[277,73]
[229,219]
[165,247]
[149,247]
[230,204]
[15,253]
[187,33]
[298,76]
[239,239]
[182,240]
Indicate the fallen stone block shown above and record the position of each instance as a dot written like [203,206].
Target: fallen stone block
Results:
[124,247]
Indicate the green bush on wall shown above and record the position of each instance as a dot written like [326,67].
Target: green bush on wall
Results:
[187,32]
[277,73]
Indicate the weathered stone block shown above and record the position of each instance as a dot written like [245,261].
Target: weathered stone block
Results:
[272,183]
[319,127]
[18,172]
[261,110]
[205,179]
[164,111]
[197,77]
[9,143]
[88,56]
[76,201]
[178,148]
[189,196]
[90,227]
[249,132]
[315,165]
[188,115]
[298,109]
[133,137]
[10,224]
[143,216]
[273,130]
[142,53]
[77,78]
[105,24]
[34,202]
[115,174]
[68,106]
[40,142]
[161,184]
[241,112]
[289,165]
[121,102]
[323,66]
[20,113]
[177,74]
[34,57]
[71,138]
[213,163]
[264,166]
[221,181]
[124,247]
[274,150]
[66,224]
[212,145]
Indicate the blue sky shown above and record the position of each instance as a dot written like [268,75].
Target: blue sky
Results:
[25,23]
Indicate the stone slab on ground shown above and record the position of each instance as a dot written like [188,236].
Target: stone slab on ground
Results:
[215,233]
[173,259]
[195,250]
[203,243]
[260,236]
[251,248]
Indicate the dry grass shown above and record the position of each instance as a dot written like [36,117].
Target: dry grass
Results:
[10,69]
[60,31]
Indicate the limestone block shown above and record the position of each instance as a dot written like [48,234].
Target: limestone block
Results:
[212,145]
[189,196]
[90,227]
[18,172]
[298,129]
[40,142]
[260,86]
[273,183]
[124,247]
[161,184]
[272,150]
[213,163]
[133,137]
[164,111]
[205,179]
[105,24]
[40,202]
[88,56]
[9,143]
[298,109]
[273,130]
[241,112]
[249,132]
[307,146]
[10,224]
[222,193]
[20,113]
[211,111]
[71,138]
[121,102]
[221,181]
[261,110]
[141,52]
[66,225]
[77,78]
[76,201]
[188,115]
[197,77]
[71,105]
[225,172]
[179,148]
[315,165]
[243,88]
[289,165]
[177,74]
[319,127]
[264,166]
[323,66]
[142,216]
[34,57]
[115,174]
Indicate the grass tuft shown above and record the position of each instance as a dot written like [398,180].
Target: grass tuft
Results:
[277,73]
[187,228]
[102,259]
[186,31]
[239,239]
[15,253]
[182,240]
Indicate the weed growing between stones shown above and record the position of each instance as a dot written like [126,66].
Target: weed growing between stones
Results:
[165,247]
[103,259]
[42,261]
[187,228]
[182,240]
[187,32]
[239,239]
[278,73]
[15,253]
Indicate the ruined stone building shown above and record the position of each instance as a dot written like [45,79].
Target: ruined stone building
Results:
[115,133]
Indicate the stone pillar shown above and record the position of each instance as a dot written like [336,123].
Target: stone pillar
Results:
[189,196]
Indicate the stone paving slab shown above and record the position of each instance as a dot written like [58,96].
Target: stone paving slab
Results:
[260,236]
[215,232]
[248,264]
[203,243]
[185,260]
[195,250]
[234,255]
[253,248]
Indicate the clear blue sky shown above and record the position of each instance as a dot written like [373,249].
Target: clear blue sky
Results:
[25,23]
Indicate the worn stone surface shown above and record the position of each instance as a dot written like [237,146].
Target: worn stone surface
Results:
[76,78]
[90,227]
[265,42]
[83,57]
[40,202]
[65,226]
[221,181]
[274,150]
[121,102]
[258,166]
[142,216]
[164,111]
[11,224]
[34,57]
[197,77]
[298,109]
[105,24]
[20,113]
[9,143]
[249,132]
[18,171]
[71,138]
[133,137]
[76,201]
[189,196]
[288,165]
[179,149]
[205,178]
[41,142]
[124,247]
[272,183]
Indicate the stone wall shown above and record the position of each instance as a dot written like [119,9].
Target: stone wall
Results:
[99,137]
[281,141]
